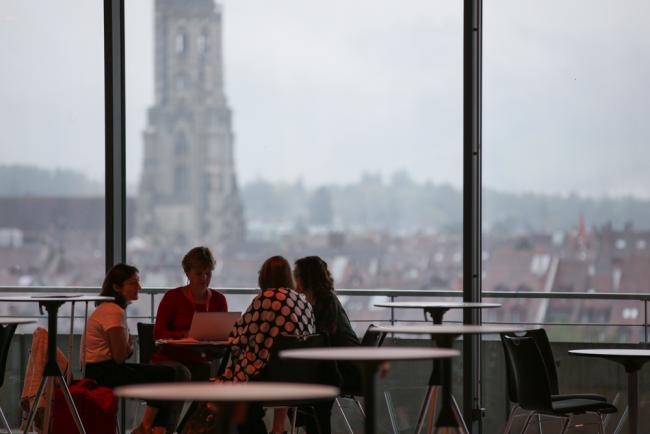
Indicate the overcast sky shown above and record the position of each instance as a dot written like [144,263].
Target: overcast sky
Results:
[325,90]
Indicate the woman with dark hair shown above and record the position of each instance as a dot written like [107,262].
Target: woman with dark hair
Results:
[176,310]
[313,279]
[108,344]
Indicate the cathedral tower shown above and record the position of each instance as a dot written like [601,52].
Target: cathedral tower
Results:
[188,191]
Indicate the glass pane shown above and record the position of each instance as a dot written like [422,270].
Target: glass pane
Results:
[283,127]
[52,160]
[567,195]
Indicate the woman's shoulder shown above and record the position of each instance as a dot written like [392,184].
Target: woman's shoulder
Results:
[283,295]
[174,293]
[107,309]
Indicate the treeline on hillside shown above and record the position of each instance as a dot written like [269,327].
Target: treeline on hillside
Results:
[403,205]
[398,204]
[33,181]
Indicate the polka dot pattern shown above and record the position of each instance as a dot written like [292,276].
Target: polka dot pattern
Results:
[271,313]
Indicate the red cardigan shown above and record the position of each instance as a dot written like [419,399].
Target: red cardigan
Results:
[173,320]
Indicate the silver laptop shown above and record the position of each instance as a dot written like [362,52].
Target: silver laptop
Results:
[212,326]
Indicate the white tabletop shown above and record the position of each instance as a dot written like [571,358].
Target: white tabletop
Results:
[227,392]
[367,354]
[55,297]
[437,305]
[451,329]
[613,352]
[19,321]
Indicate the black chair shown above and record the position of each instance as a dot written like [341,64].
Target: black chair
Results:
[533,387]
[352,390]
[146,342]
[299,371]
[544,345]
[6,334]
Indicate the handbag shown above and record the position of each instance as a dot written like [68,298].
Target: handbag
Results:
[97,407]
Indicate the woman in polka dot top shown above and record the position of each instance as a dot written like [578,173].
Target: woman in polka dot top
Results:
[277,310]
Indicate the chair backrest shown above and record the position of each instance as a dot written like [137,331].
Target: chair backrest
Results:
[146,342]
[372,338]
[541,339]
[529,373]
[6,333]
[299,371]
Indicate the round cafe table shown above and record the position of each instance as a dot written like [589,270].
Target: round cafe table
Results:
[368,359]
[437,309]
[52,303]
[444,336]
[228,394]
[632,360]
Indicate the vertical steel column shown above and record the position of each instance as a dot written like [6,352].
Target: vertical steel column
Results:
[115,138]
[472,47]
[115,158]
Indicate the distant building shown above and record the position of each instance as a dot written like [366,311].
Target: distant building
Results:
[188,191]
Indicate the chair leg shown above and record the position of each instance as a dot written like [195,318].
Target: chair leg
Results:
[566,425]
[539,423]
[391,412]
[601,424]
[294,417]
[356,401]
[4,420]
[528,419]
[511,418]
[345,419]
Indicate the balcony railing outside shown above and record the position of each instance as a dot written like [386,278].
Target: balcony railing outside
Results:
[404,386]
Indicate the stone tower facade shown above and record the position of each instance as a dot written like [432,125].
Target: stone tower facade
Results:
[188,191]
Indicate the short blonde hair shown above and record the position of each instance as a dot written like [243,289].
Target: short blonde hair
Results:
[198,257]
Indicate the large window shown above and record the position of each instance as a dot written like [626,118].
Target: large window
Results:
[320,128]
[52,142]
[567,193]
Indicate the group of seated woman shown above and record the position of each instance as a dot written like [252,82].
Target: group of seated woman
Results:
[301,302]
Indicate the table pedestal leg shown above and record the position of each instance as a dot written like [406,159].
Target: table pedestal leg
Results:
[450,419]
[633,401]
[429,404]
[368,371]
[428,407]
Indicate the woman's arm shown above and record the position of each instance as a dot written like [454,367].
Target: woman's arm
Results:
[164,319]
[120,348]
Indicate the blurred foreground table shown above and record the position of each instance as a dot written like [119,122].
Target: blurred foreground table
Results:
[369,360]
[228,394]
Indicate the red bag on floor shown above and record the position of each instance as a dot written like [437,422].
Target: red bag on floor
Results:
[96,405]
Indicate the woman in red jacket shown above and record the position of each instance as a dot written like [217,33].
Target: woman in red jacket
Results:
[177,308]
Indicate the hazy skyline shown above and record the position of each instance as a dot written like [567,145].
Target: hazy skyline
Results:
[325,91]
